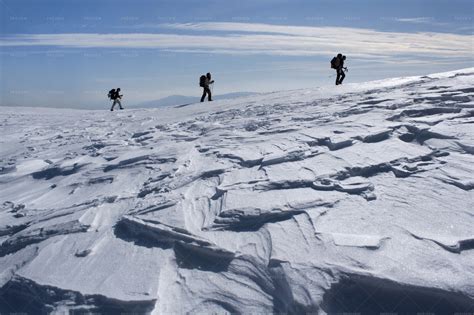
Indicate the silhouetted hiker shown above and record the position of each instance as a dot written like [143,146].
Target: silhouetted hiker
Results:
[338,64]
[204,82]
[115,96]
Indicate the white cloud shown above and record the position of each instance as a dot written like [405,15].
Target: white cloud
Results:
[253,38]
[421,19]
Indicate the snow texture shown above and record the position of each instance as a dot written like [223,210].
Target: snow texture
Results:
[356,198]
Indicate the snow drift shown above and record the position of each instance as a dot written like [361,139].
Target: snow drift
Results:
[357,198]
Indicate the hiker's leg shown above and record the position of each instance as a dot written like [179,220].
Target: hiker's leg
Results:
[209,95]
[113,105]
[120,104]
[338,75]
[343,75]
[203,95]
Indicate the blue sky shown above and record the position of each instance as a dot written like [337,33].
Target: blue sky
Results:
[70,53]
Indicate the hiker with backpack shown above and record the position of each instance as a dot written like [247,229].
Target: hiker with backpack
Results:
[115,96]
[338,64]
[204,82]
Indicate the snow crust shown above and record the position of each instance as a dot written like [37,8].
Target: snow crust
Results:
[325,200]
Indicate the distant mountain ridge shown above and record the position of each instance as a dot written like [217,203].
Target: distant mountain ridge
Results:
[179,100]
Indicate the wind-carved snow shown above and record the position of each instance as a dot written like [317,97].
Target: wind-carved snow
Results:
[329,200]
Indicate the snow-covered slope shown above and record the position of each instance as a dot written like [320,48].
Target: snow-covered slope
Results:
[357,198]
[182,100]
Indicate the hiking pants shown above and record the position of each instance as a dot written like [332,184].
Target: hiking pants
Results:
[208,92]
[340,76]
[116,101]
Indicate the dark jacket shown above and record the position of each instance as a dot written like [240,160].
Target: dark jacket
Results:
[116,95]
[341,63]
[208,81]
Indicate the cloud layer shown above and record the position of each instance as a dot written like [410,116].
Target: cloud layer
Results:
[253,38]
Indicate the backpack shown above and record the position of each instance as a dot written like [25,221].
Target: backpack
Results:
[202,81]
[334,63]
[111,94]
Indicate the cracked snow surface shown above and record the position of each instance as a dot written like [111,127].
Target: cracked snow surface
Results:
[357,198]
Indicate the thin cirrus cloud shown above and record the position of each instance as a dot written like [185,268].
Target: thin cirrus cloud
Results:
[421,19]
[254,38]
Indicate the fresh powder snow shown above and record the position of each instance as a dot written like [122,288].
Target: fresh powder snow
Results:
[356,198]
